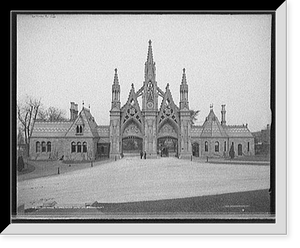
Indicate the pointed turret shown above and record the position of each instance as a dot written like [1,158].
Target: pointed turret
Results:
[115,104]
[150,65]
[183,81]
[116,79]
[150,53]
[150,95]
[184,89]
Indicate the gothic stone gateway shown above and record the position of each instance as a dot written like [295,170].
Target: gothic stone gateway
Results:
[164,130]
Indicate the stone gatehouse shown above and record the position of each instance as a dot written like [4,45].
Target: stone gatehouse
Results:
[163,129]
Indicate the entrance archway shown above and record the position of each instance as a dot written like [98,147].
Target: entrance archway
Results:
[195,149]
[132,146]
[167,147]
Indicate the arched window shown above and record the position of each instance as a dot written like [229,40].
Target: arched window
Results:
[79,129]
[78,147]
[43,146]
[248,147]
[216,146]
[84,148]
[38,146]
[206,146]
[48,146]
[240,149]
[73,147]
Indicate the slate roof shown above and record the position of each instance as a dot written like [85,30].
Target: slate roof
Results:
[50,128]
[103,131]
[212,128]
[91,121]
[238,131]
[62,128]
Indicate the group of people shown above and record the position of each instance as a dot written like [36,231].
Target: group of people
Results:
[143,154]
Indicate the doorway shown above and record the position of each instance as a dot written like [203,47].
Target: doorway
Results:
[167,147]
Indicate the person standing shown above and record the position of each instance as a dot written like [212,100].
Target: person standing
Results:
[141,153]
[145,154]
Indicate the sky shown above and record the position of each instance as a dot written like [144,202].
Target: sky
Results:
[71,58]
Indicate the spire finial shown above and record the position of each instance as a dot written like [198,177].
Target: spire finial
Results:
[183,77]
[211,106]
[150,54]
[116,79]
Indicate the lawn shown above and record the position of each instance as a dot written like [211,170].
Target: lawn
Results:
[135,180]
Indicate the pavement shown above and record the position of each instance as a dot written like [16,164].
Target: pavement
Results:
[134,179]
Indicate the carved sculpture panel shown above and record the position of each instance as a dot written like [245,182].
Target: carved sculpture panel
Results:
[167,130]
[132,129]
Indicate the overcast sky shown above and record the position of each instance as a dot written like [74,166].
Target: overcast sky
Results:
[64,58]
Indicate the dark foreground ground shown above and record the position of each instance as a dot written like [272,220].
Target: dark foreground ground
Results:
[249,204]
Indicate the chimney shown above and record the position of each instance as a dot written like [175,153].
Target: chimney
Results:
[223,112]
[73,111]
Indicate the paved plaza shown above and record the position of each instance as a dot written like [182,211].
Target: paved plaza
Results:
[134,179]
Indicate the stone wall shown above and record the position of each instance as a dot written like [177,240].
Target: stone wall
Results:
[224,146]
[62,147]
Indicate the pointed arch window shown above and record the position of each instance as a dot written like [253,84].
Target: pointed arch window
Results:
[78,147]
[48,146]
[240,149]
[43,146]
[84,147]
[73,147]
[206,146]
[37,146]
[217,146]
[79,129]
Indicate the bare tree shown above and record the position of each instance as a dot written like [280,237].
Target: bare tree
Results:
[20,136]
[193,115]
[27,113]
[52,114]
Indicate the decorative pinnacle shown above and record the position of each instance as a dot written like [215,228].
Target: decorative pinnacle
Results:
[183,77]
[150,54]
[116,80]
[211,106]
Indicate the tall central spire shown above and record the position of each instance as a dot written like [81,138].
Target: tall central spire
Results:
[150,65]
[150,54]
